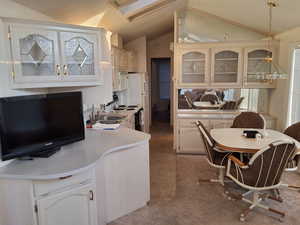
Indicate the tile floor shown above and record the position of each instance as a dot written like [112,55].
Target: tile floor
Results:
[177,199]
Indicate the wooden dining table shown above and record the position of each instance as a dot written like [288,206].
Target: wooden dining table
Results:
[232,139]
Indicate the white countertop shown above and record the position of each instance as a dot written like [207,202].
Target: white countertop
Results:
[76,157]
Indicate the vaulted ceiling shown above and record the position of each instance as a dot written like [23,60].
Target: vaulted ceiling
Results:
[251,14]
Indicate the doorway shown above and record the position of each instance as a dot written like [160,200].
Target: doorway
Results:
[160,89]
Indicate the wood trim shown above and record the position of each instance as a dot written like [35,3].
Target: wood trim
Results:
[236,161]
[240,150]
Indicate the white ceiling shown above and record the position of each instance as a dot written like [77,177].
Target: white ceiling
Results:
[67,11]
[251,13]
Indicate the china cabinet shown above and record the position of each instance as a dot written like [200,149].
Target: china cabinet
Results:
[194,67]
[226,67]
[255,62]
[53,55]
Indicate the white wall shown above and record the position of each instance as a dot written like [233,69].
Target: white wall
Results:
[205,27]
[12,9]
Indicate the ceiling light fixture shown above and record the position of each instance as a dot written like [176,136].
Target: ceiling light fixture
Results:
[271,70]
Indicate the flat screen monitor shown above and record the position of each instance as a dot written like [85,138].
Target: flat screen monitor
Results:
[37,124]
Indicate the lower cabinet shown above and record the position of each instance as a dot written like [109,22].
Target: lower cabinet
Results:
[127,186]
[118,184]
[190,140]
[73,207]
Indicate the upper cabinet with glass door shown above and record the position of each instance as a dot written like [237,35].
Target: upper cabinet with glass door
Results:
[194,68]
[256,63]
[49,56]
[226,67]
[79,56]
[35,54]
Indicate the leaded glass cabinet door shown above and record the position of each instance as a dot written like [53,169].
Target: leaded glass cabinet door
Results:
[194,67]
[226,67]
[35,54]
[80,61]
[255,64]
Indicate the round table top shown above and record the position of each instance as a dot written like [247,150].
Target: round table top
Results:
[232,139]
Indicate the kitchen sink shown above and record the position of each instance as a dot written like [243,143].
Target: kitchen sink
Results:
[110,119]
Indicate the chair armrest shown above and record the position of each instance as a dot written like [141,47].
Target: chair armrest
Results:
[237,161]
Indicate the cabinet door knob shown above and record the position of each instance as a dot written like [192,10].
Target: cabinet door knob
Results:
[91,195]
[58,70]
[65,70]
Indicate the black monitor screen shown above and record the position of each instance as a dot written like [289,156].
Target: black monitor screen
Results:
[35,123]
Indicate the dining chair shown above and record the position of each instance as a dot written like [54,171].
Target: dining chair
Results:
[210,98]
[188,99]
[239,102]
[215,157]
[230,105]
[294,132]
[261,175]
[249,120]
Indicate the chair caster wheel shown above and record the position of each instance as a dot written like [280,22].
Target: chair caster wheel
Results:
[242,218]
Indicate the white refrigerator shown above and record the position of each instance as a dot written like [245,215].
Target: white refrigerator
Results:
[137,93]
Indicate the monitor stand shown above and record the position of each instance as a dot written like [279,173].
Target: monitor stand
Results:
[45,153]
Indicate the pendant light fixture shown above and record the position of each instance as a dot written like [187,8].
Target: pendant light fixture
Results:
[268,70]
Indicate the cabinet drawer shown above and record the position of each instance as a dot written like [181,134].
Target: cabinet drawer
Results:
[192,123]
[42,187]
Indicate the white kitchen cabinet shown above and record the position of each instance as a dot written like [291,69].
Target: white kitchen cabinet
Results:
[46,55]
[123,60]
[127,181]
[73,207]
[255,62]
[194,67]
[190,139]
[80,59]
[221,123]
[132,61]
[226,67]
[35,54]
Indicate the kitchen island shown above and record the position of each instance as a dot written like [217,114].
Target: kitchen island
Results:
[90,182]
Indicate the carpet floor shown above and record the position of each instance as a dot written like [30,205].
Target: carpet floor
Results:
[178,199]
